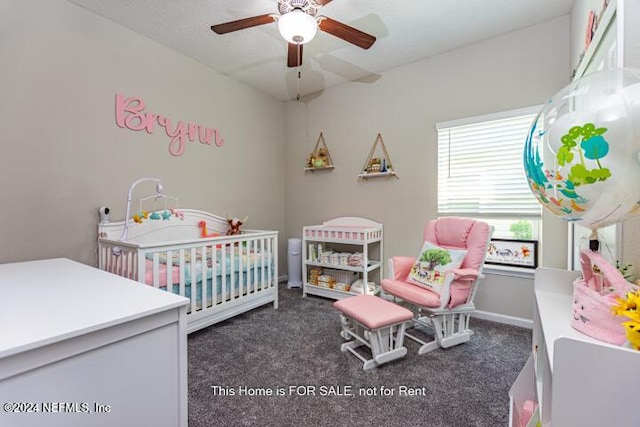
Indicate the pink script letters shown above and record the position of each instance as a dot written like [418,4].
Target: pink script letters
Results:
[130,115]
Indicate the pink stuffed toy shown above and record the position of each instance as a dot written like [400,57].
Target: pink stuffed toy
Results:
[593,296]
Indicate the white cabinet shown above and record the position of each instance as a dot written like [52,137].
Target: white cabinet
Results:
[77,339]
[574,379]
[616,40]
[344,249]
[615,44]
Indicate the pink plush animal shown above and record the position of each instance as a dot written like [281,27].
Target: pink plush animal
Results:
[204,233]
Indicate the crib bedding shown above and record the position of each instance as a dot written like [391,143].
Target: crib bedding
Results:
[247,262]
[232,287]
[237,273]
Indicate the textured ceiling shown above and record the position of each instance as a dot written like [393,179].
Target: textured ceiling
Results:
[406,31]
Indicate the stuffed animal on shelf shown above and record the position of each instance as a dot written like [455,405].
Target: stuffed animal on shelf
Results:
[234,225]
[318,159]
[312,162]
[204,233]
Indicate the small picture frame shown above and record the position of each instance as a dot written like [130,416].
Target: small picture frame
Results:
[513,253]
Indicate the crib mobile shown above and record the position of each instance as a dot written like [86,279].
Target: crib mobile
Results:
[160,206]
[157,207]
[149,208]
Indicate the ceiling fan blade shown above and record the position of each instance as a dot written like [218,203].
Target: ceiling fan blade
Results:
[345,32]
[322,2]
[294,56]
[241,24]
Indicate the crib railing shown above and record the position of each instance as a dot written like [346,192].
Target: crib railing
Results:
[210,272]
[118,258]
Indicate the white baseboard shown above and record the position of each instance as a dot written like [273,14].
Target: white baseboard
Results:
[485,315]
[503,318]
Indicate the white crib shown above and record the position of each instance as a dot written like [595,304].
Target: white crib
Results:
[222,276]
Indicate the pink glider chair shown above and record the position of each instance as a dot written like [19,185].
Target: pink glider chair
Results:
[446,310]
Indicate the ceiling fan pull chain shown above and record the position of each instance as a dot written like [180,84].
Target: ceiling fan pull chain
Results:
[299,74]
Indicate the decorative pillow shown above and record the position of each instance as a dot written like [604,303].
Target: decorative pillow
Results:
[431,265]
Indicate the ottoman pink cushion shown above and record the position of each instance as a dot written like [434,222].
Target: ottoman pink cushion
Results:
[373,312]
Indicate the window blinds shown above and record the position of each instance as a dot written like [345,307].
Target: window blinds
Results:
[480,171]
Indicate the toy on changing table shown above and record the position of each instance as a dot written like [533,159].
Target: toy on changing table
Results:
[357,287]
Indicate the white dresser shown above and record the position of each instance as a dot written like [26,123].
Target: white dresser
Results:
[576,381]
[80,346]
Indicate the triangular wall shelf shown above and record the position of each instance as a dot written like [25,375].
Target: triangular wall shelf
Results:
[319,159]
[375,166]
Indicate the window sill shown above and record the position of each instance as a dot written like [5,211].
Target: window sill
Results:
[500,270]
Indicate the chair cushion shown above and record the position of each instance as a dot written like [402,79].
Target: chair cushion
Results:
[411,293]
[431,265]
[373,312]
[457,232]
[424,297]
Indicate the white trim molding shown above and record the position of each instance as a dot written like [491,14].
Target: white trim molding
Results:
[503,318]
[521,273]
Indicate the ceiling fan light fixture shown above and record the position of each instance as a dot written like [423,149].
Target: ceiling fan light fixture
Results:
[297,27]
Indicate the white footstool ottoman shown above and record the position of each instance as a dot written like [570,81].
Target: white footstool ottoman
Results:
[377,323]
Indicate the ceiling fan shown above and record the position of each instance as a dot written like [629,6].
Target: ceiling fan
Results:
[298,24]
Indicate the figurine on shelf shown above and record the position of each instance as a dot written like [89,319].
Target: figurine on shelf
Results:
[374,165]
[323,155]
[318,159]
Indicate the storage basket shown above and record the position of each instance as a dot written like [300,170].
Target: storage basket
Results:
[341,275]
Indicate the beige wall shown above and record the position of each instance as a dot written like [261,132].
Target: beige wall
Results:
[63,155]
[516,70]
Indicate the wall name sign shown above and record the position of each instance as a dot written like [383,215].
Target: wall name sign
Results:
[130,114]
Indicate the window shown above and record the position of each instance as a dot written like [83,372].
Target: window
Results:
[480,173]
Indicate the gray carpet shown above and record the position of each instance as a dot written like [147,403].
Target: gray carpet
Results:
[299,345]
